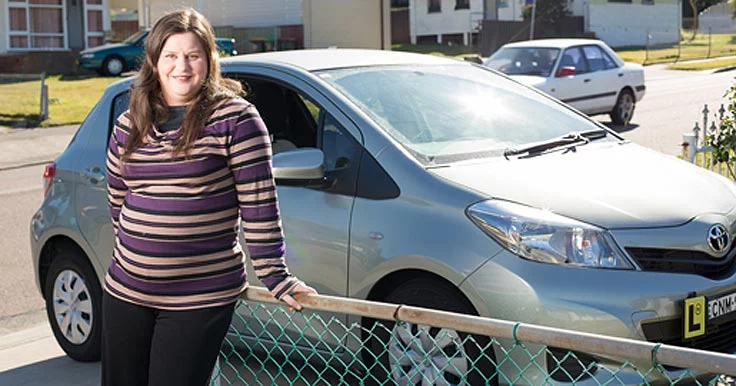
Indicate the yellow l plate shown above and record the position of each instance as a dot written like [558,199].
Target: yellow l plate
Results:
[694,317]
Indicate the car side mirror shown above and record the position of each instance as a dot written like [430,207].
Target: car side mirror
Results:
[302,167]
[473,59]
[565,71]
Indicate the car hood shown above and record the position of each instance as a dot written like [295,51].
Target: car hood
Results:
[104,47]
[530,80]
[614,186]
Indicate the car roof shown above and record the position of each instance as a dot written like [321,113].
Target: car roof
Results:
[320,59]
[556,43]
[332,58]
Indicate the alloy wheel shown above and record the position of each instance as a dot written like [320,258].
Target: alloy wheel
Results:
[72,306]
[424,355]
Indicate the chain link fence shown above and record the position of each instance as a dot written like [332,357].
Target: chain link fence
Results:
[401,345]
[674,45]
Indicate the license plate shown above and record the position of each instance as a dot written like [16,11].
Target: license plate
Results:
[701,311]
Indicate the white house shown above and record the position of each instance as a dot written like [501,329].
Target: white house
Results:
[52,25]
[617,22]
[717,19]
[631,22]
[444,21]
[313,23]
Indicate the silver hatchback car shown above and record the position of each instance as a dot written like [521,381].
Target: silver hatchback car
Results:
[435,182]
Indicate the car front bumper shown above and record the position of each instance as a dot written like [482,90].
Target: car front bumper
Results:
[615,303]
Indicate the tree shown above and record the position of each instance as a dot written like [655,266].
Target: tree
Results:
[697,6]
[723,141]
[547,10]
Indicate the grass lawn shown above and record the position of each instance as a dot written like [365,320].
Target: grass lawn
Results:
[437,49]
[69,100]
[707,65]
[698,48]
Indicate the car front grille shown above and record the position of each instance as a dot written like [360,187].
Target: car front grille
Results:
[720,338]
[684,261]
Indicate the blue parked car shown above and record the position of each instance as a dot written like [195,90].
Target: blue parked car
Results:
[115,58]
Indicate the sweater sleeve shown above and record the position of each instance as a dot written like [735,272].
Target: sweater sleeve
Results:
[116,188]
[249,157]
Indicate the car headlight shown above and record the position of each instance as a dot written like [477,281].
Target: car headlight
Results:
[546,237]
[87,56]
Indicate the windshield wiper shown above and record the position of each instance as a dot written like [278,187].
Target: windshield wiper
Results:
[569,140]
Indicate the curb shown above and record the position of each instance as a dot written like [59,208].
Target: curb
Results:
[24,164]
[724,69]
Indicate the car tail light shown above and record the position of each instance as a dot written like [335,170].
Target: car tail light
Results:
[48,177]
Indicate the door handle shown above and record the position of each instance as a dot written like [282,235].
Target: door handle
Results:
[94,175]
[620,74]
[586,80]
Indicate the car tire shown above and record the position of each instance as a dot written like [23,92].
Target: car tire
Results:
[74,305]
[624,108]
[386,345]
[113,66]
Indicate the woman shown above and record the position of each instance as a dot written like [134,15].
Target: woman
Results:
[185,162]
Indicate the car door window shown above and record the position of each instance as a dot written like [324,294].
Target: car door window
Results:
[295,121]
[342,156]
[573,57]
[597,59]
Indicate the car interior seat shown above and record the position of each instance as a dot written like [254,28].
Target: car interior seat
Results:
[271,103]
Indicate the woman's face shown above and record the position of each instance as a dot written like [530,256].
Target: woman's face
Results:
[182,68]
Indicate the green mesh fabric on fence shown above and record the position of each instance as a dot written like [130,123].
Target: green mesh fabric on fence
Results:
[318,350]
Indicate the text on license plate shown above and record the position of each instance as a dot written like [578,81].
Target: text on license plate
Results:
[698,312]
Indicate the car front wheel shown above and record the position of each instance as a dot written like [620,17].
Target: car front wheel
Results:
[411,354]
[73,305]
[113,66]
[624,108]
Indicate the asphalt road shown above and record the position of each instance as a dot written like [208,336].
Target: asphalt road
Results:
[673,103]
[20,195]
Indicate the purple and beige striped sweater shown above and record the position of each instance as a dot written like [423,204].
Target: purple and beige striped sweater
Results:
[175,218]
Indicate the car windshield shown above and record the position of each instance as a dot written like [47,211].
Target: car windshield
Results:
[450,113]
[524,60]
[134,37]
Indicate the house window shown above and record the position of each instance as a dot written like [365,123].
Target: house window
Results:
[95,33]
[647,2]
[434,6]
[620,1]
[462,4]
[36,24]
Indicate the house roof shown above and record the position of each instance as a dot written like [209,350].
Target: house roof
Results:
[557,43]
[329,58]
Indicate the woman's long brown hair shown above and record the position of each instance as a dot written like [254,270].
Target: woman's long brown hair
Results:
[147,104]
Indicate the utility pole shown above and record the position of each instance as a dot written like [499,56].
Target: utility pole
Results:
[531,27]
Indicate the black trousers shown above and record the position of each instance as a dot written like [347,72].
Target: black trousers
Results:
[144,346]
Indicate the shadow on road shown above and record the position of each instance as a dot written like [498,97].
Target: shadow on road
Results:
[60,371]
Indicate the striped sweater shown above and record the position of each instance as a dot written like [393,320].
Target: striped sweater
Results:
[176,218]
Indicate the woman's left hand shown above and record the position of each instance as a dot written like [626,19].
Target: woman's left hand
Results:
[300,288]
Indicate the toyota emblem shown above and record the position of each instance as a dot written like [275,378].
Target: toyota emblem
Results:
[718,238]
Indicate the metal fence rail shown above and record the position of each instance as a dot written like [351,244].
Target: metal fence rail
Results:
[418,346]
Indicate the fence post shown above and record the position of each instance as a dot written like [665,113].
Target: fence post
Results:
[689,146]
[710,35]
[705,124]
[44,113]
[646,52]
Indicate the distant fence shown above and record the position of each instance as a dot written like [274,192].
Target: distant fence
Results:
[673,45]
[417,346]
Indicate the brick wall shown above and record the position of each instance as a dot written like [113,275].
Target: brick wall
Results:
[38,62]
